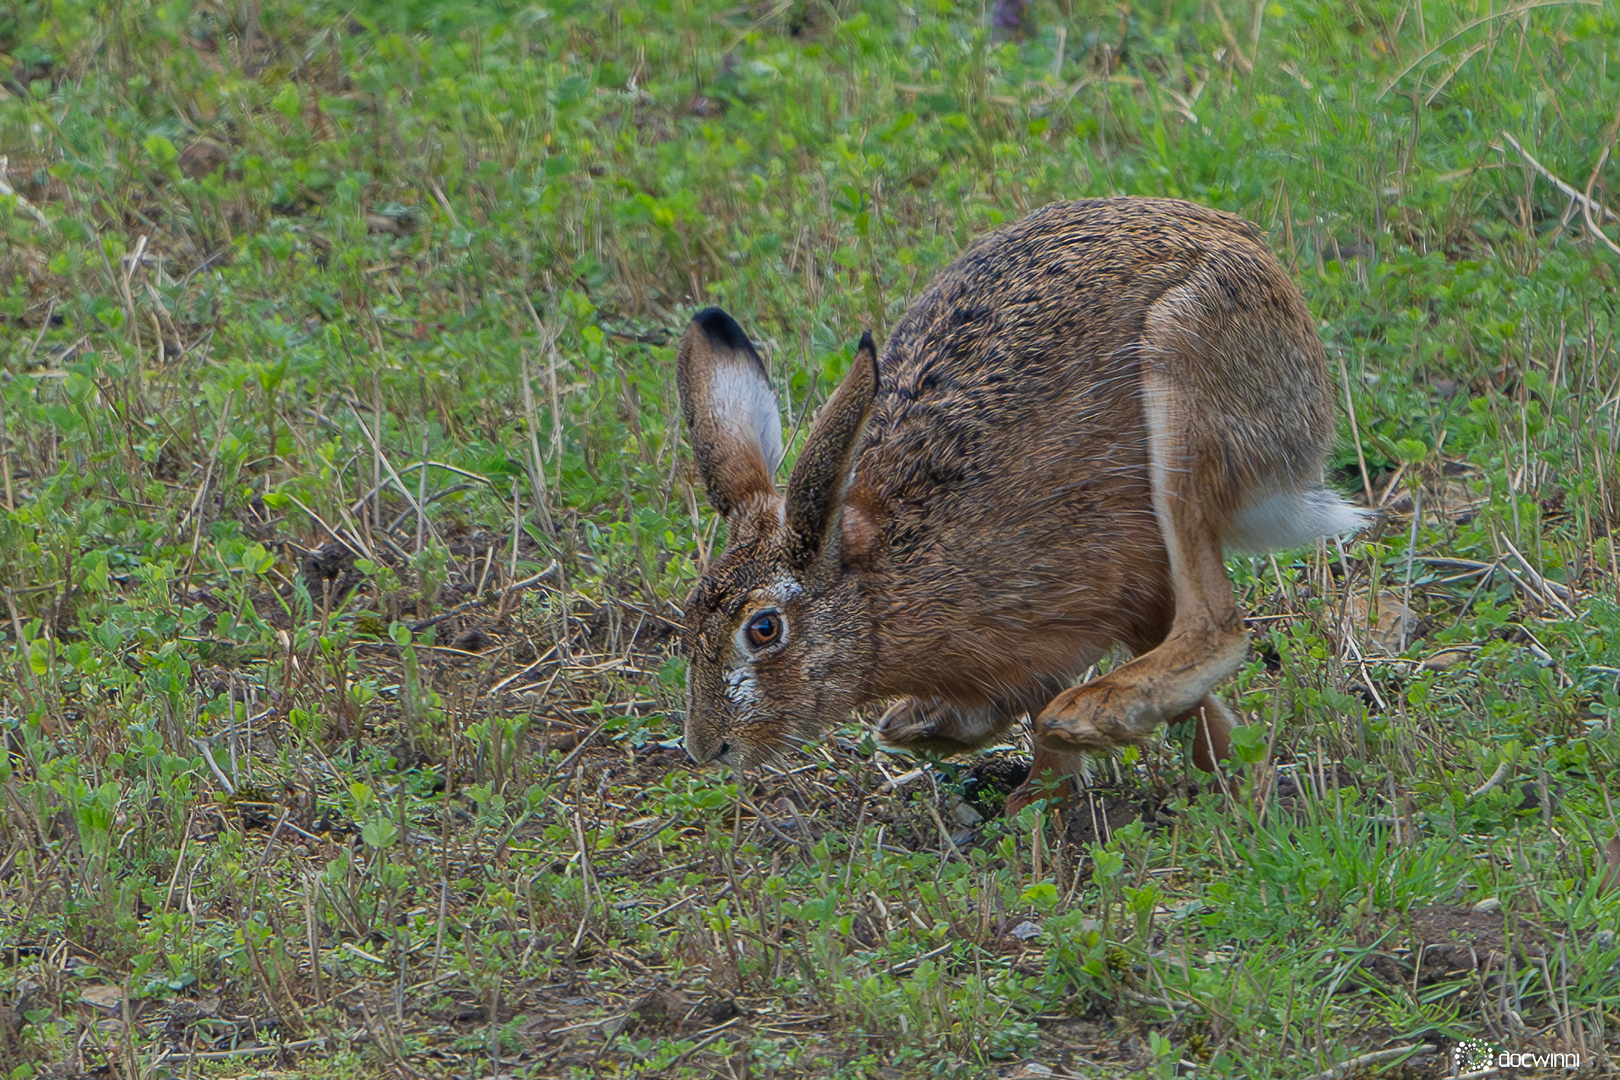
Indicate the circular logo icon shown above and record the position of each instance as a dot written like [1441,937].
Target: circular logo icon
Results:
[1472,1055]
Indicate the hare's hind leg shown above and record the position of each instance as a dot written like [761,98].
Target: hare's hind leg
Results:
[1212,732]
[1206,642]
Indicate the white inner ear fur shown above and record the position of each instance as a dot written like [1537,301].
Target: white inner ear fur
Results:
[744,403]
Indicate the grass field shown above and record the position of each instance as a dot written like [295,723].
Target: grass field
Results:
[345,521]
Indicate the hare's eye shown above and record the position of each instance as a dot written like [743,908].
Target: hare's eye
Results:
[764,629]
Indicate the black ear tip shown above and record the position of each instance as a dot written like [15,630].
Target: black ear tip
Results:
[869,349]
[722,330]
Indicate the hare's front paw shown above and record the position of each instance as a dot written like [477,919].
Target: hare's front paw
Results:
[917,724]
[905,723]
[1080,720]
[1052,775]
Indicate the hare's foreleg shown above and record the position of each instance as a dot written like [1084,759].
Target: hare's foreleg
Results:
[941,728]
[1206,642]
[1053,773]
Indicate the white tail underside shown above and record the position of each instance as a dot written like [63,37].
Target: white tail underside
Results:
[1289,519]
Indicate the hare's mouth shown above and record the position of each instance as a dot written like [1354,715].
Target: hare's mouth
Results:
[751,753]
[739,755]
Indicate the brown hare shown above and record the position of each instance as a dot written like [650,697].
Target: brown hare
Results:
[1047,459]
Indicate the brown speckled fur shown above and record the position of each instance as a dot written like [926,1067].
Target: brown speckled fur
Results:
[1064,430]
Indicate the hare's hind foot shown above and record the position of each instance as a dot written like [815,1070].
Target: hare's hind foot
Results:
[1092,731]
[930,725]
[1076,723]
[1169,684]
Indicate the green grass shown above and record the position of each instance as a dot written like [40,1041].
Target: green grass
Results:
[395,285]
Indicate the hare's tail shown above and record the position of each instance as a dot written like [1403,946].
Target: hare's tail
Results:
[1288,519]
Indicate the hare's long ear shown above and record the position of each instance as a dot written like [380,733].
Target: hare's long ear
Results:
[815,491]
[731,414]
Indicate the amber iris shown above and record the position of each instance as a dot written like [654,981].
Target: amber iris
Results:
[764,629]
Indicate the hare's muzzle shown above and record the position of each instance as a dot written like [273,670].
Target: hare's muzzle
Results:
[706,746]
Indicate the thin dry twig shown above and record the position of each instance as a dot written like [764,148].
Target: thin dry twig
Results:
[357,504]
[1496,778]
[1355,432]
[357,547]
[1549,590]
[1586,203]
[478,602]
[1345,1068]
[1591,181]
[22,204]
[219,774]
[1512,12]
[1242,61]
[399,483]
[194,514]
[251,1051]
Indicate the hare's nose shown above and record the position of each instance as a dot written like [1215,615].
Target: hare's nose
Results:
[702,755]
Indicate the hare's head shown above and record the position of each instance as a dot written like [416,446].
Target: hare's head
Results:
[778,638]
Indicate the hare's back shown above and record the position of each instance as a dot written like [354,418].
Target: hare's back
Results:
[1066,291]
[1029,348]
